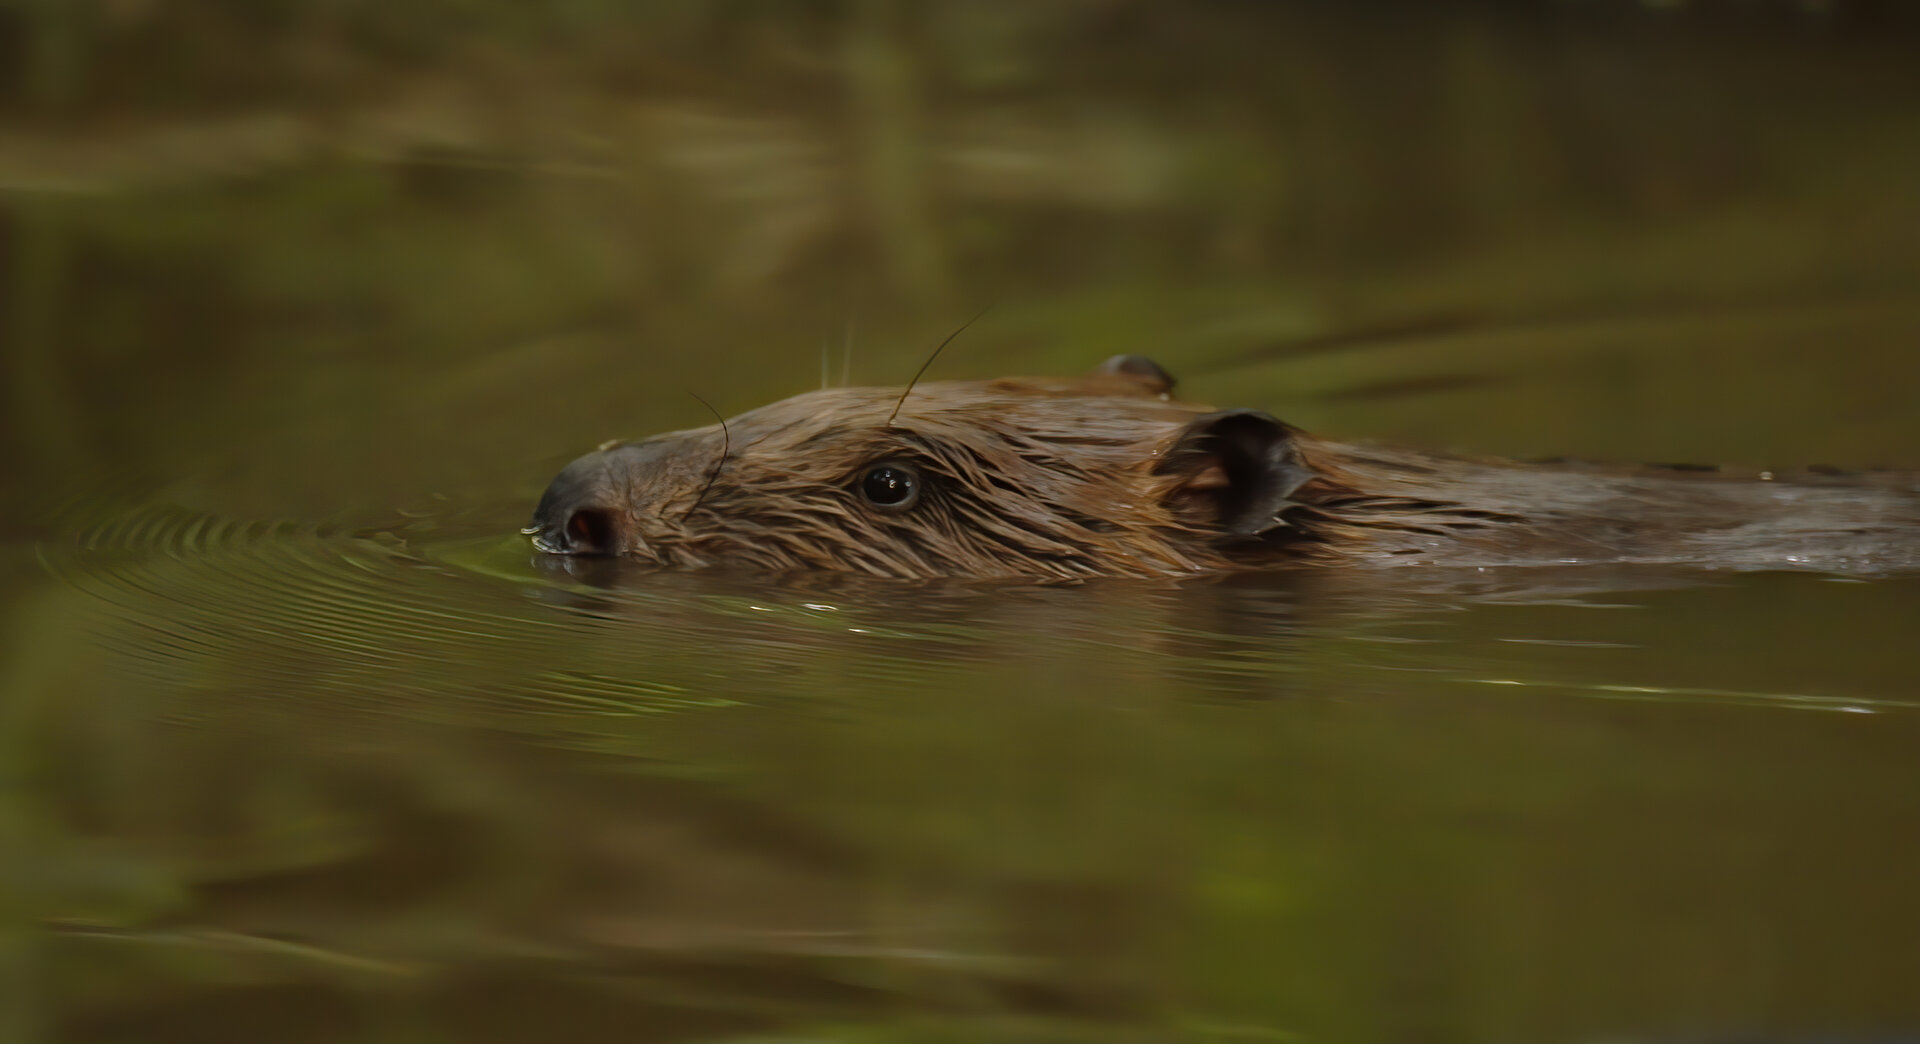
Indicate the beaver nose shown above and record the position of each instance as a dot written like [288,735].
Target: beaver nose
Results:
[563,529]
[579,513]
[587,531]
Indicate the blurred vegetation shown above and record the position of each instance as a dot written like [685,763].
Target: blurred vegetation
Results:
[375,226]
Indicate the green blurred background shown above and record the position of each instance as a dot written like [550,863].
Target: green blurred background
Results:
[436,234]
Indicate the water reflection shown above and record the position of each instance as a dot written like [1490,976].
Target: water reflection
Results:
[294,774]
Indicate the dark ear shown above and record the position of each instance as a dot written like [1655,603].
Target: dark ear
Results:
[1239,468]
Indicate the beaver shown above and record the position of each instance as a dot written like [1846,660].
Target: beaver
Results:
[1108,475]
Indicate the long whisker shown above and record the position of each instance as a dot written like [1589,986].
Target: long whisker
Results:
[923,366]
[726,445]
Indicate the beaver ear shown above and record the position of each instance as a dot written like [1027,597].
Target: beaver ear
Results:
[1140,368]
[1239,467]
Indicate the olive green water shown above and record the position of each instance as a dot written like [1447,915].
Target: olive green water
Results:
[302,304]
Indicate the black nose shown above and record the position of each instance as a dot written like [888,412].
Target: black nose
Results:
[578,515]
[587,531]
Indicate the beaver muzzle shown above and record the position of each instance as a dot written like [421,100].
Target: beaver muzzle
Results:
[592,506]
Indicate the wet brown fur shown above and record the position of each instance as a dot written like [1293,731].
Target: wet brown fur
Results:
[1106,476]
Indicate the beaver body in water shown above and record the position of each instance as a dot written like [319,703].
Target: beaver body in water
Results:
[1108,475]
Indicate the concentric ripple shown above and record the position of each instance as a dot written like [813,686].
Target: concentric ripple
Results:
[458,619]
[455,621]
[363,617]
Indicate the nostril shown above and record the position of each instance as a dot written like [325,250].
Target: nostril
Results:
[590,531]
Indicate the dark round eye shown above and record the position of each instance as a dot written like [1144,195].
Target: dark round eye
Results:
[892,486]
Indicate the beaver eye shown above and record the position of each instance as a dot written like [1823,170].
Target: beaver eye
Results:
[892,486]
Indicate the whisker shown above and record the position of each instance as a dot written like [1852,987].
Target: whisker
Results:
[726,445]
[923,366]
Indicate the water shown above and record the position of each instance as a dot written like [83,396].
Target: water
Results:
[301,741]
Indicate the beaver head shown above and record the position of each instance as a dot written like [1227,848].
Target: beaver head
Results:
[1105,475]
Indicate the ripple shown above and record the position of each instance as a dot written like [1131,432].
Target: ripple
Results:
[1696,694]
[454,621]
[363,617]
